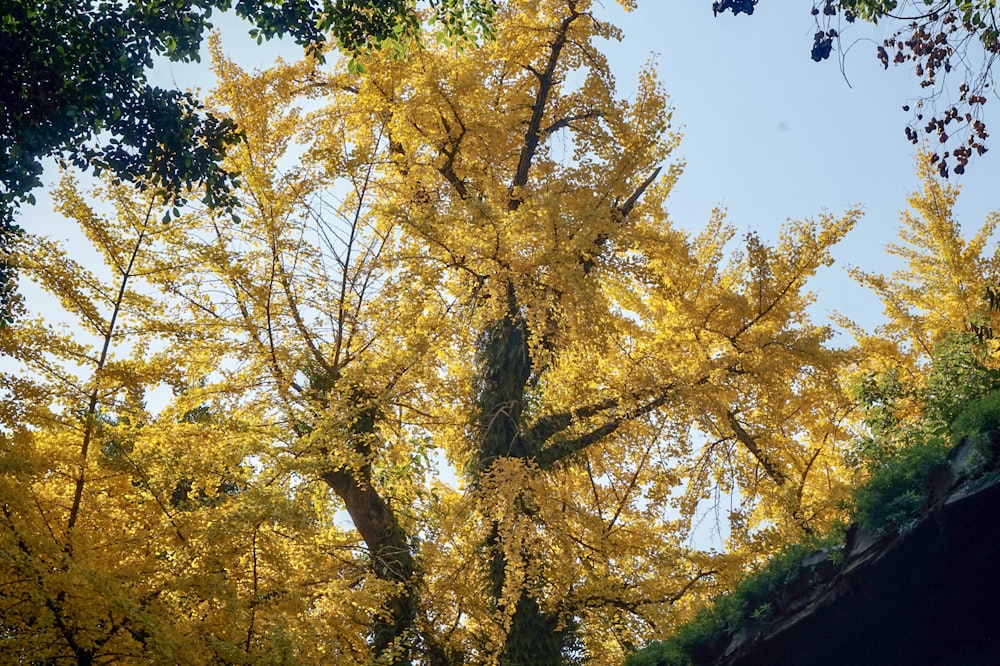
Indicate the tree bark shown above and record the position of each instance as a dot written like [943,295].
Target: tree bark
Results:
[391,557]
[505,371]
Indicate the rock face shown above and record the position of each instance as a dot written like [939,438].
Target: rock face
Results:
[930,595]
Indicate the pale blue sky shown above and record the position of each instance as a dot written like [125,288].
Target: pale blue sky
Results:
[770,134]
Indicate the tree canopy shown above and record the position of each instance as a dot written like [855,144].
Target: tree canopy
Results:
[470,266]
[73,84]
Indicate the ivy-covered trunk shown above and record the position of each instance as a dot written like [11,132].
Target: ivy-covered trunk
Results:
[504,374]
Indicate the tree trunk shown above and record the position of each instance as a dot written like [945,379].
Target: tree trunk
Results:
[391,559]
[505,370]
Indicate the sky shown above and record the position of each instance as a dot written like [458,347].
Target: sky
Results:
[768,133]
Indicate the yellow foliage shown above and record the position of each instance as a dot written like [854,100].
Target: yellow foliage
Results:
[941,289]
[135,534]
[453,382]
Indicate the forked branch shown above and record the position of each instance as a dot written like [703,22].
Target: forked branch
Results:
[534,134]
[560,450]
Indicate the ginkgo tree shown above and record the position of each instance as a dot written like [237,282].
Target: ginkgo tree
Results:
[601,338]
[130,533]
[941,288]
[453,389]
[938,298]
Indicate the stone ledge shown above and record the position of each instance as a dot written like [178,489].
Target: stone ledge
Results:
[929,595]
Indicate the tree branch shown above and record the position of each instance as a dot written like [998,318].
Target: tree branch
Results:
[547,426]
[556,452]
[627,207]
[635,607]
[90,416]
[750,443]
[533,135]
[621,212]
[451,151]
[564,122]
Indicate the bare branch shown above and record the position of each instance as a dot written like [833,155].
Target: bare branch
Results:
[533,135]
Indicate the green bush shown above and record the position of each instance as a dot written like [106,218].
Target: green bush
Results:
[980,416]
[958,377]
[893,496]
[961,398]
[725,614]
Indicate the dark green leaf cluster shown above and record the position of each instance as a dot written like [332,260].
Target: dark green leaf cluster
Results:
[893,497]
[977,16]
[71,71]
[9,233]
[73,86]
[962,400]
[734,6]
[980,416]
